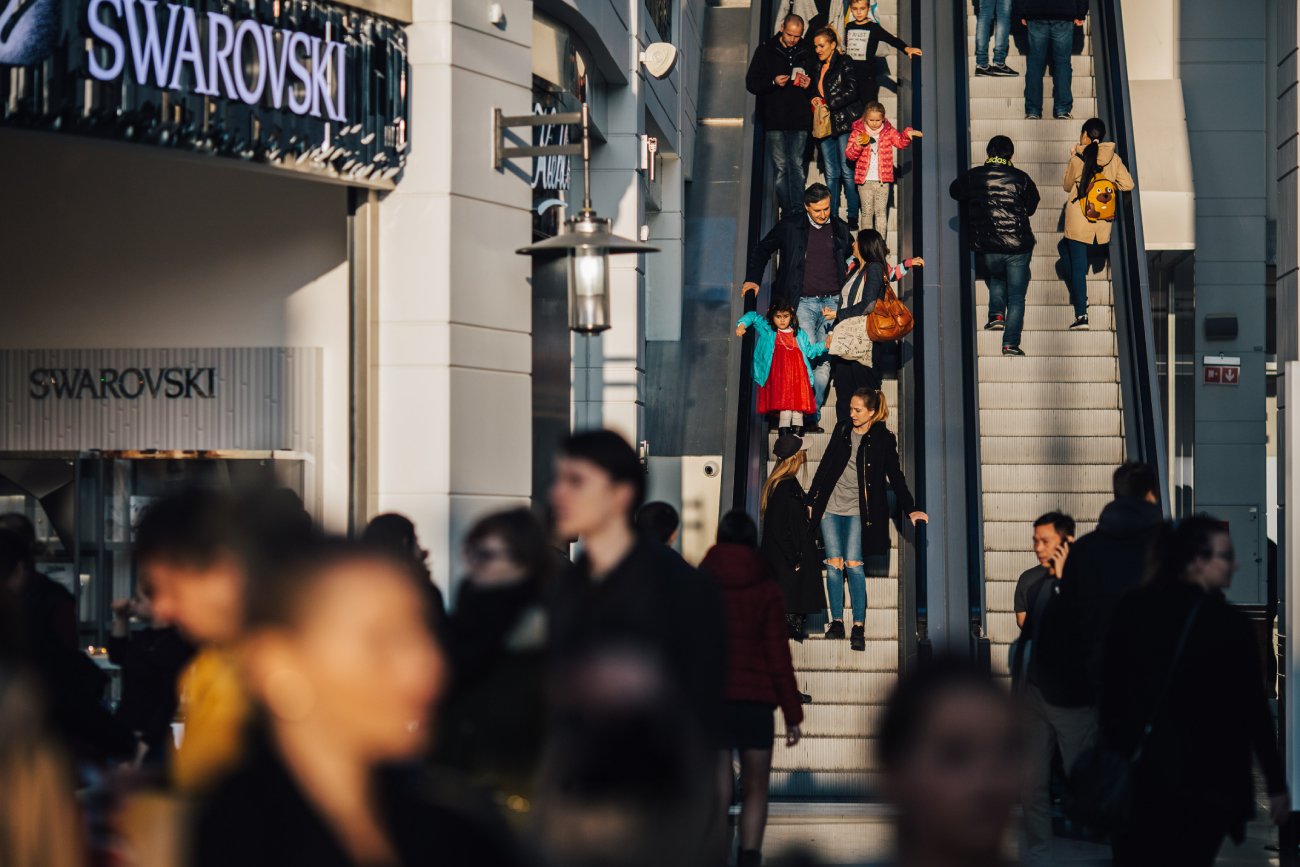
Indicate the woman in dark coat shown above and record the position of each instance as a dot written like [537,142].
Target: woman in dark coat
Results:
[1193,784]
[849,499]
[788,541]
[760,673]
[836,86]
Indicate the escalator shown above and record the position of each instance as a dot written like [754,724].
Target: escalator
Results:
[982,444]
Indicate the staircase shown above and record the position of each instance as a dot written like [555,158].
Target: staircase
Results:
[1051,424]
[835,760]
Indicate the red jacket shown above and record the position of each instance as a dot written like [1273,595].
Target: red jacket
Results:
[887,139]
[759,667]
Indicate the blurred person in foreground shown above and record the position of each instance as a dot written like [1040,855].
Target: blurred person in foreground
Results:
[951,746]
[396,534]
[40,822]
[196,552]
[1182,665]
[342,675]
[659,521]
[630,609]
[49,609]
[492,725]
[68,682]
[151,658]
[760,674]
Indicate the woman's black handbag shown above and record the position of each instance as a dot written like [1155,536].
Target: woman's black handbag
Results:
[1101,781]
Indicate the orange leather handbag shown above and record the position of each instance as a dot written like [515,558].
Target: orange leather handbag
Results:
[890,320]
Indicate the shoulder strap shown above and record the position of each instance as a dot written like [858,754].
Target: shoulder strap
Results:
[1168,681]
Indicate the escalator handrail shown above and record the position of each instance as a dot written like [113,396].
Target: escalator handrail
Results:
[1143,418]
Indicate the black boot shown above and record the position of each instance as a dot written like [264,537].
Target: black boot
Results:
[805,698]
[801,624]
[858,638]
[835,631]
[749,858]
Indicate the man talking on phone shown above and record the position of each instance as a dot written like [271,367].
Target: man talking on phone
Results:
[1053,534]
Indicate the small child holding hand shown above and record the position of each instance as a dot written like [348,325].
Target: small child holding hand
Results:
[781,365]
[871,142]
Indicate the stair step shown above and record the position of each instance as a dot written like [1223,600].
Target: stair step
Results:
[1001,627]
[984,86]
[1057,450]
[983,108]
[998,655]
[1061,133]
[999,596]
[825,785]
[848,687]
[1055,317]
[1075,478]
[881,623]
[1055,368]
[1046,265]
[1006,567]
[1002,535]
[817,654]
[826,754]
[1081,64]
[1049,395]
[822,718]
[1051,291]
[1020,424]
[1051,344]
[1027,506]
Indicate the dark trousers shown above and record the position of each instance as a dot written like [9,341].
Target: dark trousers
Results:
[1057,39]
[786,148]
[1008,277]
[1077,254]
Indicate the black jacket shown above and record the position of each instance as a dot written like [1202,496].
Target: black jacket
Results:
[789,237]
[653,602]
[151,661]
[791,549]
[1103,565]
[259,816]
[997,201]
[1049,10]
[841,93]
[878,473]
[786,108]
[1214,717]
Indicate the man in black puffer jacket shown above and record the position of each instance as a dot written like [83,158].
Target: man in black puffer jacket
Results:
[780,75]
[998,200]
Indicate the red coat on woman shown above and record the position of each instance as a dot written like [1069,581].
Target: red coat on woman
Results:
[886,140]
[759,667]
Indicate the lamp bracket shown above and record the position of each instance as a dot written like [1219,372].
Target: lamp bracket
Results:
[502,122]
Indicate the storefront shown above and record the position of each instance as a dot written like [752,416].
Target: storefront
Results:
[179,278]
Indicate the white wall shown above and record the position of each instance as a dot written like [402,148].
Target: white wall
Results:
[119,245]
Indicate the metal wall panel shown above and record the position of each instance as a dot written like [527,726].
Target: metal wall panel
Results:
[264,398]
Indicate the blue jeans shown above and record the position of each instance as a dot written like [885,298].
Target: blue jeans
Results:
[839,173]
[815,327]
[1056,37]
[990,11]
[1008,278]
[1076,253]
[843,537]
[786,148]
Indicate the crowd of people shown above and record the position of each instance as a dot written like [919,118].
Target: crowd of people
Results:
[291,697]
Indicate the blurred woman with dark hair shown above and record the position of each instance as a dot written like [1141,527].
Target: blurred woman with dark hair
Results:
[1183,691]
[343,676]
[395,534]
[493,722]
[951,746]
[760,673]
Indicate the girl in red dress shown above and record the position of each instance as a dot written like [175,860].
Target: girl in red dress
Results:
[781,365]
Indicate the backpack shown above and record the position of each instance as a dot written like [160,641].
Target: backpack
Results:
[1098,201]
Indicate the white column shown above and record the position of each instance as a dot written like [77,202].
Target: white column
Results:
[454,307]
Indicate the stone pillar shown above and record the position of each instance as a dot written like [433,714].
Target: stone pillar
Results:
[453,314]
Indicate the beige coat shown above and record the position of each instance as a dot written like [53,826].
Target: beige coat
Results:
[1077,226]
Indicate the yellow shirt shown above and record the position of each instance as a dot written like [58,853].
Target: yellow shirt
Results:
[215,710]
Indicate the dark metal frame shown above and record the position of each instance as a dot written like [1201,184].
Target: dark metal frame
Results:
[1144,424]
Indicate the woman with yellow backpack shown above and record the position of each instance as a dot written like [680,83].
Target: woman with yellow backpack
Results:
[1094,178]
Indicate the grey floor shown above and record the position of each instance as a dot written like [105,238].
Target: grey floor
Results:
[854,834]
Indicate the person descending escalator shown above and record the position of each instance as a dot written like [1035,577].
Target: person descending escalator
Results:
[782,369]
[849,498]
[780,76]
[789,542]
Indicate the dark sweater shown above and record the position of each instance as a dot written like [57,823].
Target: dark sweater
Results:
[790,237]
[820,275]
[1049,10]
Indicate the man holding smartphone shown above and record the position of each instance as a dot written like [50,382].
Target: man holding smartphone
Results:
[1053,534]
[778,76]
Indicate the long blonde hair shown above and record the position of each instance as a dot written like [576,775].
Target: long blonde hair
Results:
[787,469]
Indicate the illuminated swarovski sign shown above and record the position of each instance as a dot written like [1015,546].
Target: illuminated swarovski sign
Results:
[239,60]
[307,85]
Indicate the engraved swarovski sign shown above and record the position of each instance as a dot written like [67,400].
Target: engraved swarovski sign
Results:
[300,84]
[263,398]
